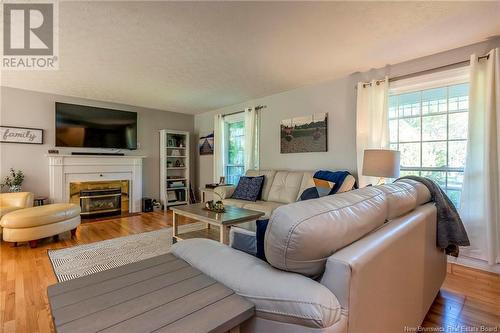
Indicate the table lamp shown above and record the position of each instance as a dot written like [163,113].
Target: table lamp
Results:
[382,163]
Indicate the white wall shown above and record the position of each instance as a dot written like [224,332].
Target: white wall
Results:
[25,108]
[334,97]
[338,98]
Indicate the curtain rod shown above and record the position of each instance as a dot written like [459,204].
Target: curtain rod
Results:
[427,71]
[257,108]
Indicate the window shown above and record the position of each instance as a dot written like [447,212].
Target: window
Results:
[429,128]
[235,145]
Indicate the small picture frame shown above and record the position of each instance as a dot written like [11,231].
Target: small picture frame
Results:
[222,180]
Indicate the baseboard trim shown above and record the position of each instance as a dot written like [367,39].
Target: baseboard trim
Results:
[475,263]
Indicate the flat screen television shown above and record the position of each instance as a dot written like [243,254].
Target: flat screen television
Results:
[92,127]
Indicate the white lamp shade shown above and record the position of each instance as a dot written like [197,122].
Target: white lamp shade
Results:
[381,163]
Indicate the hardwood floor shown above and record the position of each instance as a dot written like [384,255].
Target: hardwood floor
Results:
[469,298]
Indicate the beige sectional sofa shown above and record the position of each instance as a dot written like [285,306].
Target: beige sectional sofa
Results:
[280,187]
[355,262]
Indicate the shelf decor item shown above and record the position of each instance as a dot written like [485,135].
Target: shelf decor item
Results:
[171,196]
[13,181]
[215,206]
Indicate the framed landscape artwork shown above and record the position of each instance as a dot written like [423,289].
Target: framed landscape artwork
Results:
[305,134]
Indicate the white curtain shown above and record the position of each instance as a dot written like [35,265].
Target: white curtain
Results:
[480,207]
[251,139]
[372,127]
[219,152]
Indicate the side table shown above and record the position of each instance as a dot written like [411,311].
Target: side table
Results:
[39,201]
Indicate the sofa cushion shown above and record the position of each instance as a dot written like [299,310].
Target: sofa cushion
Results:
[249,188]
[285,187]
[267,207]
[224,192]
[234,202]
[307,182]
[41,215]
[401,198]
[268,180]
[277,295]
[302,235]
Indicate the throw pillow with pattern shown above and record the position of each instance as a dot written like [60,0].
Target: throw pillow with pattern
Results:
[248,188]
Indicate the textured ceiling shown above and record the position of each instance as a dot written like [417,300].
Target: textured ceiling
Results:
[197,56]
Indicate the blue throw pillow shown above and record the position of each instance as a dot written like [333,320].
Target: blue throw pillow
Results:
[249,188]
[259,235]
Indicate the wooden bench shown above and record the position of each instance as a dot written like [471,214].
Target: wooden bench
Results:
[160,294]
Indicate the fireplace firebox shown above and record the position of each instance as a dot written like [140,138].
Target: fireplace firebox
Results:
[101,202]
[100,198]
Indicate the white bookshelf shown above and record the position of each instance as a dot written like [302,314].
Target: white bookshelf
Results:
[174,168]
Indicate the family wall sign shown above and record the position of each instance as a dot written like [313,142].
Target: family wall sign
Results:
[21,135]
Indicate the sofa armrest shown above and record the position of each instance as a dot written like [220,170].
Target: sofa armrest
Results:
[395,270]
[224,191]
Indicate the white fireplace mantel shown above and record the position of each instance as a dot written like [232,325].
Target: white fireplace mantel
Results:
[64,169]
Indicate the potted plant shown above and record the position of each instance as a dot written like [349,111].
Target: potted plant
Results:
[13,181]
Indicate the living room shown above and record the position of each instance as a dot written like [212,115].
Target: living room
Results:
[250,166]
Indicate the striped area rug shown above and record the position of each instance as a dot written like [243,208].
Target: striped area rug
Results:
[81,260]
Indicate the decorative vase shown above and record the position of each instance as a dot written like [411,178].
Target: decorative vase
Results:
[15,188]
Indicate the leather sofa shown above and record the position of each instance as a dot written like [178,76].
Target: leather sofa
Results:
[361,261]
[280,187]
[10,202]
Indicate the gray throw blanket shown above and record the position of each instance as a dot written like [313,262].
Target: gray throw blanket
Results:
[450,230]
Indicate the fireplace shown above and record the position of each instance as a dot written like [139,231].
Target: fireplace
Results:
[100,198]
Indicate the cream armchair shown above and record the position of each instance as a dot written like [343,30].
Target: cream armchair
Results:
[10,202]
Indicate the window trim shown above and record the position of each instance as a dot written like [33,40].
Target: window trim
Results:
[430,81]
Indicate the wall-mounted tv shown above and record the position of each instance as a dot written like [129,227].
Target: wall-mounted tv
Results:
[92,127]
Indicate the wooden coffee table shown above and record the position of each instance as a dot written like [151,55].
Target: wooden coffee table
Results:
[232,216]
[162,294]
